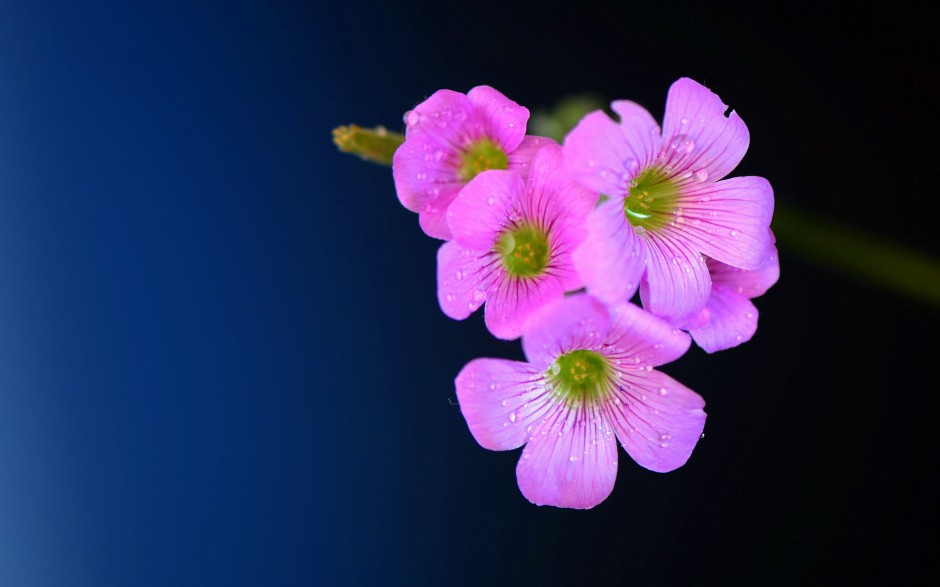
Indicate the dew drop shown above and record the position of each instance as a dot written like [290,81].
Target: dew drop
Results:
[449,297]
[734,233]
[512,417]
[491,201]
[411,118]
[682,144]
[592,163]
[479,296]
[458,274]
[572,458]
[701,174]
[438,155]
[663,391]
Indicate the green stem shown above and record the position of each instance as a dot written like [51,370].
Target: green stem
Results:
[371,144]
[899,268]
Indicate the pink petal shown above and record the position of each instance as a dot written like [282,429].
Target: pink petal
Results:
[611,259]
[504,120]
[446,117]
[520,159]
[750,284]
[728,221]
[576,322]
[732,321]
[484,207]
[463,279]
[571,459]
[657,419]
[424,169]
[433,216]
[514,300]
[697,136]
[677,281]
[500,400]
[604,155]
[641,338]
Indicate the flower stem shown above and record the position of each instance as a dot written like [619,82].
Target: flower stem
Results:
[882,262]
[371,144]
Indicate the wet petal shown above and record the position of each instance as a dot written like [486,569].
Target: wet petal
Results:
[697,136]
[577,322]
[571,459]
[501,401]
[611,259]
[657,419]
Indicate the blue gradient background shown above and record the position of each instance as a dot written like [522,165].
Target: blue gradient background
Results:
[221,359]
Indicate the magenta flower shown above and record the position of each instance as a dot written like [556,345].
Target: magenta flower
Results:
[512,244]
[449,139]
[729,318]
[589,378]
[665,207]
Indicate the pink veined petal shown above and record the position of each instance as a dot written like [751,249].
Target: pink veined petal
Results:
[424,170]
[611,259]
[443,117]
[677,282]
[484,208]
[504,120]
[576,322]
[641,338]
[728,221]
[513,301]
[570,460]
[604,155]
[520,159]
[732,321]
[553,198]
[697,136]
[501,401]
[750,284]
[433,216]
[463,278]
[657,419]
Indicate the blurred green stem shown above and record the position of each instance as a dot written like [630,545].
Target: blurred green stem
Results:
[888,264]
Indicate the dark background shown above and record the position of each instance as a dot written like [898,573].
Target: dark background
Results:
[221,357]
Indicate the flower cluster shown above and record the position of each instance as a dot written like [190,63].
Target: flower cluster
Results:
[555,240]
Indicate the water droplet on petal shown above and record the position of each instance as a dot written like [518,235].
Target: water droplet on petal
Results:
[458,274]
[663,391]
[682,144]
[734,233]
[411,118]
[701,174]
[592,163]
[491,200]
[479,296]
[512,417]
[572,458]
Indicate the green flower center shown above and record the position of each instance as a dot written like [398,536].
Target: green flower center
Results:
[580,376]
[651,201]
[524,250]
[481,156]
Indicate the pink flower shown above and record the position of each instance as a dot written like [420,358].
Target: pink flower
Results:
[589,378]
[665,207]
[512,244]
[449,139]
[729,318]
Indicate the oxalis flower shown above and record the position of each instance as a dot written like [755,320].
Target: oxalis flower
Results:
[589,378]
[449,139]
[512,244]
[665,205]
[730,318]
